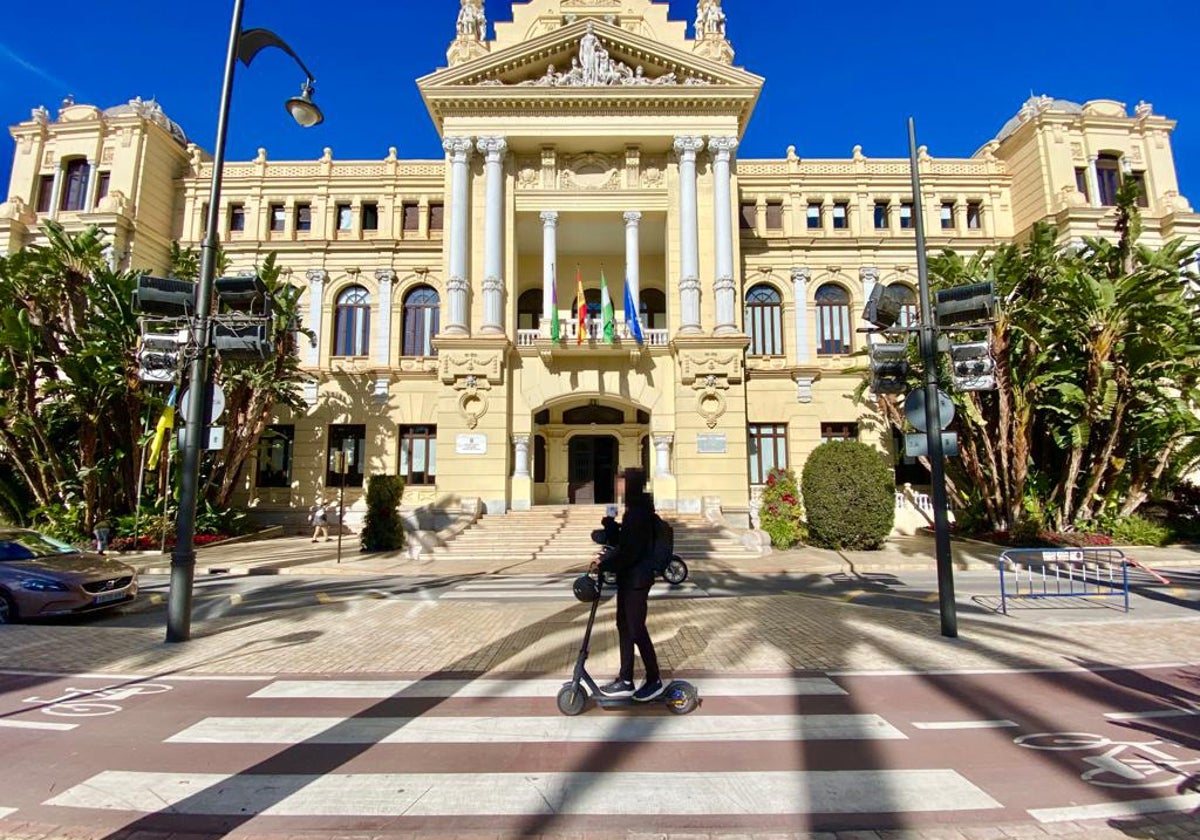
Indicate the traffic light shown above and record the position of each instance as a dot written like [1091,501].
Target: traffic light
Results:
[889,367]
[242,340]
[158,356]
[883,307]
[973,303]
[164,296]
[972,367]
[246,294]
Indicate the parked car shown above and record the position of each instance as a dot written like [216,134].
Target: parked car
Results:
[42,577]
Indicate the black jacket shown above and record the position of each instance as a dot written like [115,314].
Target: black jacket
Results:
[633,561]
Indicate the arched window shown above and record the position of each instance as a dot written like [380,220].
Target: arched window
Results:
[833,320]
[653,304]
[903,294]
[422,308]
[529,309]
[352,323]
[764,321]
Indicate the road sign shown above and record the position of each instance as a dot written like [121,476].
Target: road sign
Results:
[914,409]
[218,403]
[917,445]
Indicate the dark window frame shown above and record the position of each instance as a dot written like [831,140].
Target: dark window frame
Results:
[343,210]
[764,320]
[276,437]
[833,320]
[437,216]
[881,214]
[237,218]
[352,322]
[370,215]
[303,217]
[831,431]
[760,437]
[814,222]
[76,173]
[409,436]
[276,218]
[339,435]
[417,301]
[410,217]
[45,196]
[774,215]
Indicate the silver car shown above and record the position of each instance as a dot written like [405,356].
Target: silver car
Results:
[42,577]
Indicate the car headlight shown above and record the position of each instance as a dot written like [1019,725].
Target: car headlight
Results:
[42,585]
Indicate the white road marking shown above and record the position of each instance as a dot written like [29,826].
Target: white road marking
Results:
[965,724]
[437,729]
[489,794]
[4,812]
[378,689]
[1133,807]
[1160,713]
[37,724]
[967,672]
[67,675]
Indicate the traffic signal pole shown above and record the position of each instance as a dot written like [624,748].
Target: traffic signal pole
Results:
[933,421]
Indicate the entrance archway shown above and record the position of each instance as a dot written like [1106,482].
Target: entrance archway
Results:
[574,465]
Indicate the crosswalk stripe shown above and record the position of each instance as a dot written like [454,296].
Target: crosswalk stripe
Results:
[37,724]
[4,812]
[1129,808]
[520,794]
[965,724]
[435,688]
[434,729]
[1158,713]
[482,592]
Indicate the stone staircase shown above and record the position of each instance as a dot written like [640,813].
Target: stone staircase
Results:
[561,536]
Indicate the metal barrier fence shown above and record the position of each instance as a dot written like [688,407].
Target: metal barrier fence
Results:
[1063,573]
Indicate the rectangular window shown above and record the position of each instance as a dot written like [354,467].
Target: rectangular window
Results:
[102,181]
[45,193]
[974,215]
[768,449]
[1108,179]
[814,215]
[277,218]
[437,212]
[881,215]
[411,217]
[947,215]
[774,215]
[906,215]
[75,178]
[841,215]
[303,217]
[345,217]
[418,455]
[275,457]
[1139,178]
[1081,182]
[748,219]
[237,217]
[838,431]
[370,215]
[347,453]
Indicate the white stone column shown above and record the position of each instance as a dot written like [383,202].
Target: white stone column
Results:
[549,269]
[521,461]
[316,307]
[724,288]
[383,335]
[56,190]
[493,150]
[89,195]
[800,277]
[869,275]
[662,455]
[457,283]
[633,275]
[689,249]
[1093,178]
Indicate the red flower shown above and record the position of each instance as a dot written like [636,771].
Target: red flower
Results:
[789,498]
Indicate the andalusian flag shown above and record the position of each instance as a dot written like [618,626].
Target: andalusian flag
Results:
[165,422]
[581,306]
[631,314]
[606,311]
[554,328]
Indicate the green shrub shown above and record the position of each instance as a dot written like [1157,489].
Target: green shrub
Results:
[1138,530]
[383,529]
[781,514]
[849,496]
[1026,532]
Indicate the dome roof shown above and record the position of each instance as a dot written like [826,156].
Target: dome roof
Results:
[150,110]
[1034,106]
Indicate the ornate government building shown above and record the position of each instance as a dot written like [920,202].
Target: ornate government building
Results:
[584,139]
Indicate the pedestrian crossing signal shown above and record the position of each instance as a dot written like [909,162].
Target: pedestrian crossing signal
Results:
[889,367]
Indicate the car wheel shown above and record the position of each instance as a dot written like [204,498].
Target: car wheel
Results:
[8,609]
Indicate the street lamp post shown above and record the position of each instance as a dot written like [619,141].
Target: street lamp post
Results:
[244,45]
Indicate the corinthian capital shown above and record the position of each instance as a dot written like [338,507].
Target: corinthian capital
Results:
[868,274]
[800,274]
[686,147]
[722,147]
[492,147]
[459,148]
[317,275]
[385,276]
[549,218]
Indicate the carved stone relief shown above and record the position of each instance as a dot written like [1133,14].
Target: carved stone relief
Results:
[590,172]
[482,364]
[724,365]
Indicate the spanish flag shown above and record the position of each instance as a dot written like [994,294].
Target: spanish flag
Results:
[581,304]
[165,422]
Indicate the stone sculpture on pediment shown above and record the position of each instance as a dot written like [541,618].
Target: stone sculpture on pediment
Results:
[472,22]
[594,67]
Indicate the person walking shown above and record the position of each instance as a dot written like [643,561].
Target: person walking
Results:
[633,563]
[319,519]
[102,532]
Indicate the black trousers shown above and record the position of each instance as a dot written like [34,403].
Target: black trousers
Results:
[631,630]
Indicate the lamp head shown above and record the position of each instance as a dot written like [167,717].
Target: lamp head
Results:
[303,110]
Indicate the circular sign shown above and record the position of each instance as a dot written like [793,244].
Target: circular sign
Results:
[914,409]
[218,402]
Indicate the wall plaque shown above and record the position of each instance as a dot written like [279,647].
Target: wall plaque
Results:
[470,445]
[711,444]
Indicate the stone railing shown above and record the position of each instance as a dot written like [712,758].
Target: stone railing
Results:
[594,332]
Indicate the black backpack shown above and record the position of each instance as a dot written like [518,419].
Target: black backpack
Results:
[664,544]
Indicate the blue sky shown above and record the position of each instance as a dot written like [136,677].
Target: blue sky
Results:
[837,74]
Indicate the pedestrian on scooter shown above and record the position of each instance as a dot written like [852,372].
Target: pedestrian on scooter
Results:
[633,563]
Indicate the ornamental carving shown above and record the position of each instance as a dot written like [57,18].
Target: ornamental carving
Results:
[590,172]
[484,365]
[710,402]
[472,405]
[713,368]
[528,178]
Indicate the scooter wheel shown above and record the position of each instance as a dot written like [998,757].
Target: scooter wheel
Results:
[681,697]
[571,700]
[676,571]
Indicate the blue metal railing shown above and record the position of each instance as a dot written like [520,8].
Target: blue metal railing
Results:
[1063,573]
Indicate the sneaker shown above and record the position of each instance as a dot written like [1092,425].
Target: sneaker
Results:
[617,688]
[649,691]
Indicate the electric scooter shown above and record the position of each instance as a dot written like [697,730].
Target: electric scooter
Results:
[679,696]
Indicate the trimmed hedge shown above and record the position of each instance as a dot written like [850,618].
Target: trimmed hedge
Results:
[849,496]
[383,529]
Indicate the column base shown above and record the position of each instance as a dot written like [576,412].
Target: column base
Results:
[690,329]
[727,329]
[455,330]
[491,329]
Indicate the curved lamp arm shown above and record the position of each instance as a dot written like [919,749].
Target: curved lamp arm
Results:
[254,41]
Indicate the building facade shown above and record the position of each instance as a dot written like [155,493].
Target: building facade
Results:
[590,156]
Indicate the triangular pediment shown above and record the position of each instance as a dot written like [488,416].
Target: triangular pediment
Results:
[589,55]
